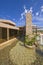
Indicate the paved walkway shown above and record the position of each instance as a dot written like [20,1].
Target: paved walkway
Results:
[19,55]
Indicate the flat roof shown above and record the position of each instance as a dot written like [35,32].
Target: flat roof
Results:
[7,21]
[8,26]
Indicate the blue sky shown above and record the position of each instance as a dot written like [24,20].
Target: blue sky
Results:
[15,10]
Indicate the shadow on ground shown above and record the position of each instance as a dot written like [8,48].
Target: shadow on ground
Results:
[4,54]
[39,57]
[21,37]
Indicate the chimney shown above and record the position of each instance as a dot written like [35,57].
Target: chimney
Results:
[29,24]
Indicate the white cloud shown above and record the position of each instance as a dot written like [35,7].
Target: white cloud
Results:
[41,8]
[37,13]
[23,14]
[24,7]
[30,10]
[25,10]
[14,19]
[38,18]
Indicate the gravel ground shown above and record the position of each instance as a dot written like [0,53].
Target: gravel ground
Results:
[20,55]
[4,53]
[17,54]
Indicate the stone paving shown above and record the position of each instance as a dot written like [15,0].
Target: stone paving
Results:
[20,55]
[14,53]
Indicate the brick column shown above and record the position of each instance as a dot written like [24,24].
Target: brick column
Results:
[7,34]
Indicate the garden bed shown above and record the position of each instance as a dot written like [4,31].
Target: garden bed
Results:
[28,46]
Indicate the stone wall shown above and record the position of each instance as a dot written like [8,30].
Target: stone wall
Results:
[29,24]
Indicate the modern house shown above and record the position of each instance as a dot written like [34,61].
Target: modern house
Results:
[8,30]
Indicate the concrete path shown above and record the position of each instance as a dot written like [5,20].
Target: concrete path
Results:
[19,55]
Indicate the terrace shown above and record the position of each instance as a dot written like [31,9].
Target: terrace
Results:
[14,53]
